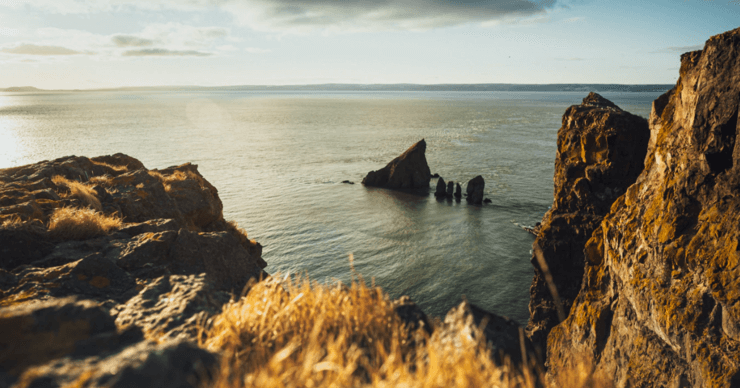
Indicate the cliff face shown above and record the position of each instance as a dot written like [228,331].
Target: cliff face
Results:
[659,304]
[601,150]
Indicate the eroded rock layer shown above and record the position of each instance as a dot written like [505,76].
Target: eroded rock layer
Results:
[601,150]
[660,300]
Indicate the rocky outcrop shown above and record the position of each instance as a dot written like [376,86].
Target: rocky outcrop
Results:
[408,171]
[120,301]
[660,302]
[475,189]
[601,150]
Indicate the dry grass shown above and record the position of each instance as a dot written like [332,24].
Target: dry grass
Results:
[80,191]
[294,333]
[119,169]
[13,221]
[78,224]
[176,176]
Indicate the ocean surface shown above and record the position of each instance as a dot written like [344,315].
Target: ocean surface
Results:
[278,160]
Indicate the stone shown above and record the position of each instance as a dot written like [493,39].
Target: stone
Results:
[660,298]
[441,188]
[408,171]
[411,314]
[487,200]
[173,306]
[504,336]
[475,189]
[435,175]
[458,191]
[348,182]
[450,189]
[601,151]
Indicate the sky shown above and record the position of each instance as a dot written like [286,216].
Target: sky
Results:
[89,44]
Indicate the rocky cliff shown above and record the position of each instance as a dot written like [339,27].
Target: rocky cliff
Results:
[660,299]
[601,149]
[108,271]
[408,171]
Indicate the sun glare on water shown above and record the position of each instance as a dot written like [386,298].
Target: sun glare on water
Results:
[9,144]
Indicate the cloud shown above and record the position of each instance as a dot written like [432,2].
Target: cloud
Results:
[160,52]
[329,15]
[256,50]
[131,41]
[677,49]
[32,49]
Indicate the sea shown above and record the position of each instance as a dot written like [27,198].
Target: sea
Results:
[278,159]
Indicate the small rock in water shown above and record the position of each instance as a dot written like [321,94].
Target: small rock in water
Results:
[435,175]
[450,189]
[458,191]
[475,190]
[348,182]
[440,192]
[487,200]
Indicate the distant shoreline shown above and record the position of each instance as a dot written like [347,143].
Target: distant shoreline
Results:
[378,88]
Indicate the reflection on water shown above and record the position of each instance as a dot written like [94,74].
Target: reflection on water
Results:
[278,160]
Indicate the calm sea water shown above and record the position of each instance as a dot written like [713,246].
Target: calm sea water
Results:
[277,160]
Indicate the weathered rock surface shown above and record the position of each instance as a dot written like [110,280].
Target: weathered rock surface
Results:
[121,307]
[441,188]
[475,189]
[660,302]
[408,171]
[601,150]
[504,335]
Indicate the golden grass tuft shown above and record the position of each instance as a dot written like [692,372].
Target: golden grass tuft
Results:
[79,190]
[78,224]
[176,176]
[116,168]
[295,333]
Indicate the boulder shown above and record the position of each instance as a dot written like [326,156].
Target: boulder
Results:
[458,191]
[475,189]
[450,189]
[504,336]
[408,171]
[601,150]
[660,299]
[441,188]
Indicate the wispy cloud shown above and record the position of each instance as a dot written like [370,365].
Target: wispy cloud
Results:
[160,52]
[131,41]
[677,49]
[332,15]
[32,49]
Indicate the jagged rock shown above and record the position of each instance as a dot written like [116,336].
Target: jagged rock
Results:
[601,150]
[660,300]
[173,306]
[172,264]
[450,189]
[441,188]
[408,171]
[411,314]
[504,335]
[36,333]
[174,364]
[458,190]
[475,189]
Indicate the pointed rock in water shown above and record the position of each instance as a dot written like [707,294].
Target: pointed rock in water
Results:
[408,171]
[458,190]
[441,187]
[450,189]
[475,190]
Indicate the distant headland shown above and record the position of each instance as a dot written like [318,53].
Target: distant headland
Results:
[383,88]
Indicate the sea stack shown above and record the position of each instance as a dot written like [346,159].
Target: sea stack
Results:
[450,189]
[408,171]
[441,187]
[458,191]
[475,190]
